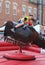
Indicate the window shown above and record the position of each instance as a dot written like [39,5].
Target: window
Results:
[31,0]
[0,6]
[29,9]
[35,12]
[23,10]
[15,8]
[44,2]
[35,1]
[7,3]
[40,1]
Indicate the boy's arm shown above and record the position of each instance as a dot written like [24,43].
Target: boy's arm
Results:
[20,24]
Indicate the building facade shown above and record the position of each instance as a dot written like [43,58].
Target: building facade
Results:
[15,9]
[41,11]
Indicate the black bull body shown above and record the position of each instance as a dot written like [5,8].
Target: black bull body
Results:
[24,34]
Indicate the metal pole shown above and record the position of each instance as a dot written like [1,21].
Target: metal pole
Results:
[37,9]
[42,12]
[38,3]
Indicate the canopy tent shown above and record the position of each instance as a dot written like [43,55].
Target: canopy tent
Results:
[37,28]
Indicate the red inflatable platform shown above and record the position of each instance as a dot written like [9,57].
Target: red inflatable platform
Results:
[40,59]
[31,52]
[19,57]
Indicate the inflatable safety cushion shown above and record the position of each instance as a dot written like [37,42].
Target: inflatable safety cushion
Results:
[2,44]
[20,56]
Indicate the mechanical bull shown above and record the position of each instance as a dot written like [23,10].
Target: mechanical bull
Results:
[24,34]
